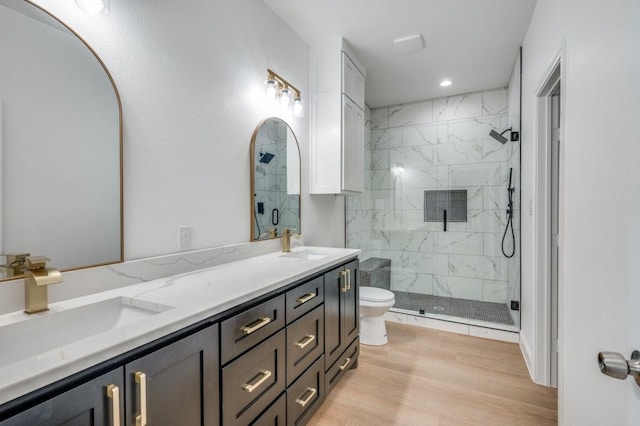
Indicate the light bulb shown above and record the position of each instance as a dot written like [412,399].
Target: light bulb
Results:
[297,107]
[271,89]
[445,83]
[285,97]
[94,7]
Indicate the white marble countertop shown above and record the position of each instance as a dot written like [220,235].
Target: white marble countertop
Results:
[194,296]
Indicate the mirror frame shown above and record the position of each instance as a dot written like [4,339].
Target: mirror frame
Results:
[252,168]
[120,146]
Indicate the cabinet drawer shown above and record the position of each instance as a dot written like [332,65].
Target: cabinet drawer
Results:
[276,415]
[348,359]
[305,342]
[304,298]
[252,326]
[306,394]
[253,381]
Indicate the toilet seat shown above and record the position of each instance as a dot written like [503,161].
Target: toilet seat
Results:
[374,294]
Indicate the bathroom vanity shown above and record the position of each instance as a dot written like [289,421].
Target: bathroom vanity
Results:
[257,341]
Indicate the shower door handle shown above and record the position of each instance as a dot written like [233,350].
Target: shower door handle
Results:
[614,364]
[444,219]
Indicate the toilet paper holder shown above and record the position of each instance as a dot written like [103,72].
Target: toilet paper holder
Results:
[615,365]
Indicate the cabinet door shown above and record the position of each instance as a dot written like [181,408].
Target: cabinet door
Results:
[333,300]
[179,386]
[87,404]
[352,146]
[352,81]
[351,306]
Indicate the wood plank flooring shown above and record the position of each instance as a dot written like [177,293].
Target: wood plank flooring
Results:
[428,377]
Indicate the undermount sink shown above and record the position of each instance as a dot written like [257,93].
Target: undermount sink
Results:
[307,254]
[51,330]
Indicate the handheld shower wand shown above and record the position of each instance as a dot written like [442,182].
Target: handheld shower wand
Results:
[510,192]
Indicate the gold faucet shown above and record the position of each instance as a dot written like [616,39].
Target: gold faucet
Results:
[36,279]
[16,263]
[286,240]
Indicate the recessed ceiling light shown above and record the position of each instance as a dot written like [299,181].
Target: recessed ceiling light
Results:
[445,83]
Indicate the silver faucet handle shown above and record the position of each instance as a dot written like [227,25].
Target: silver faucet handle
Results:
[37,262]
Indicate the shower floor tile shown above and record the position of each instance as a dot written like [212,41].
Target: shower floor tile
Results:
[463,308]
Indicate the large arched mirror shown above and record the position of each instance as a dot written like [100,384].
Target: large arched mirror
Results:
[275,180]
[61,144]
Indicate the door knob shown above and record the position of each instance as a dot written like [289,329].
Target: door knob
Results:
[615,365]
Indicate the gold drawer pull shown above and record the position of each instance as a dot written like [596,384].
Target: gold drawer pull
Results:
[348,279]
[343,276]
[306,298]
[346,362]
[305,341]
[141,379]
[256,325]
[113,392]
[302,402]
[251,387]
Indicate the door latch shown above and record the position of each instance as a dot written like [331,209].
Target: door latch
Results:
[615,365]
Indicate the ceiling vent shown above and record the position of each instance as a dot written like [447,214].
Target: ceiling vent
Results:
[408,44]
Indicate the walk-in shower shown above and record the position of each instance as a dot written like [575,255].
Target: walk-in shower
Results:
[439,220]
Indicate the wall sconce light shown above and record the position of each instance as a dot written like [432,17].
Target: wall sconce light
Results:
[279,89]
[94,7]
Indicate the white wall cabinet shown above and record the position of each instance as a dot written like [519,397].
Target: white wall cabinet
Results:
[337,122]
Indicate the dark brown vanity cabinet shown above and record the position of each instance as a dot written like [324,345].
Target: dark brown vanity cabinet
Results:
[341,312]
[265,363]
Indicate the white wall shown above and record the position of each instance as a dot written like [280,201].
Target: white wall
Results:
[191,75]
[598,169]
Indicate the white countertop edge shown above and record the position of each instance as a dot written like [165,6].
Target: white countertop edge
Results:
[19,378]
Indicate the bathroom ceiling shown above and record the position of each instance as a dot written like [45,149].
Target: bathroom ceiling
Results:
[473,43]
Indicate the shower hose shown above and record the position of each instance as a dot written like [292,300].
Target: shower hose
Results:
[510,191]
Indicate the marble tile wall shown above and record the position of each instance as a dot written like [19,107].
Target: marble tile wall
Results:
[439,144]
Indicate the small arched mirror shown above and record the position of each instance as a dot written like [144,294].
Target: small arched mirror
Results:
[275,180]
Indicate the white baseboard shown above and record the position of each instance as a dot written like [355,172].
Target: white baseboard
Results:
[526,354]
[453,327]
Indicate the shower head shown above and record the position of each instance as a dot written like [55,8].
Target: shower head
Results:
[266,157]
[515,136]
[498,136]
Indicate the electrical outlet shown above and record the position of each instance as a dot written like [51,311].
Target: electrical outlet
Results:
[186,237]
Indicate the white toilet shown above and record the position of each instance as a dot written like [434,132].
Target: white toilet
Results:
[374,302]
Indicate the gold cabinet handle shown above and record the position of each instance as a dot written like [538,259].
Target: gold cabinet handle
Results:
[250,387]
[306,298]
[346,362]
[348,279]
[305,341]
[311,393]
[343,275]
[256,325]
[141,380]
[113,392]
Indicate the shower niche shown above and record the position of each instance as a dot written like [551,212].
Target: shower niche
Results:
[439,220]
